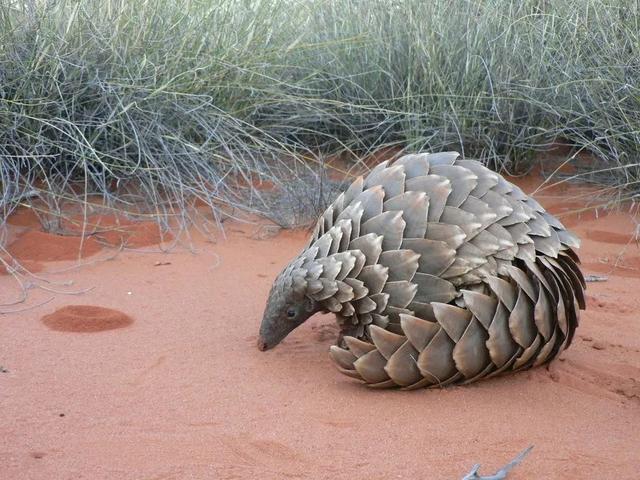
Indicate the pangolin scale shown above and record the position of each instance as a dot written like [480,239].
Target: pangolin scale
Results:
[439,272]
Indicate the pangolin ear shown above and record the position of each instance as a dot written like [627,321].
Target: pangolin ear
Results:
[309,304]
[299,286]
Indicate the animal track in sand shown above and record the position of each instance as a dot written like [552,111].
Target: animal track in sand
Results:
[595,381]
[325,333]
[336,423]
[263,453]
[141,377]
[597,302]
[86,319]
[625,267]
[295,346]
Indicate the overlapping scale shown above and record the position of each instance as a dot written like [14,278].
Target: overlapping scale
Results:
[447,272]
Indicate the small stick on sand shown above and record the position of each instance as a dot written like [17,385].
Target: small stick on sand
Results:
[24,309]
[500,474]
[18,197]
[595,278]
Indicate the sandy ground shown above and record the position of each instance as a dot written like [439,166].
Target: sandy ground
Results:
[178,389]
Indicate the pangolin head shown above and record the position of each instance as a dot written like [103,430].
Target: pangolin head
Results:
[288,307]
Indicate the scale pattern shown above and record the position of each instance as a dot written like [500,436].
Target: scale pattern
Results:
[439,272]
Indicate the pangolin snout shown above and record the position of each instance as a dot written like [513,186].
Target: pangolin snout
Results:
[262,344]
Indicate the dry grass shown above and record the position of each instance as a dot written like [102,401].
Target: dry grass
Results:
[149,106]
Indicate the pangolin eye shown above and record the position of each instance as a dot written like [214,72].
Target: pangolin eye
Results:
[291,312]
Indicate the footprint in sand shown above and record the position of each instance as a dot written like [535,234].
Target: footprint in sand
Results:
[616,306]
[596,381]
[261,452]
[336,423]
[324,333]
[86,319]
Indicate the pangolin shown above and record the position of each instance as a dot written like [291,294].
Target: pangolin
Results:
[439,272]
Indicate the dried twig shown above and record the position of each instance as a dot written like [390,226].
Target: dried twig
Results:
[17,197]
[500,474]
[26,280]
[24,309]
[595,278]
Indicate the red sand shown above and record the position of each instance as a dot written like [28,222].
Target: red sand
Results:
[184,393]
[116,230]
[33,267]
[32,247]
[86,318]
[24,217]
[38,246]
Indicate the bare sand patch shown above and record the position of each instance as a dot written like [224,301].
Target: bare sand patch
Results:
[186,393]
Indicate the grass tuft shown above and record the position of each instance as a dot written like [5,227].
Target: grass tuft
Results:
[150,106]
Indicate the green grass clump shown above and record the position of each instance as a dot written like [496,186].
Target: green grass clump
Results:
[167,101]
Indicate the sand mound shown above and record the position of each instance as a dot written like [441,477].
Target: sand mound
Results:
[24,217]
[135,235]
[46,247]
[118,230]
[86,319]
